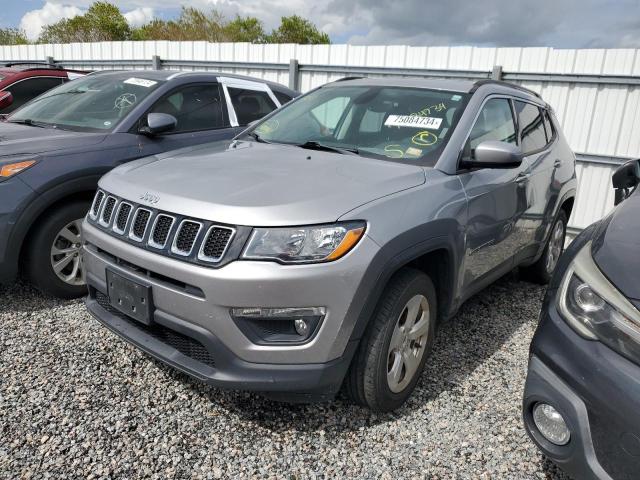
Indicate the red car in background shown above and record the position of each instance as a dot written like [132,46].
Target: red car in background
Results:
[23,81]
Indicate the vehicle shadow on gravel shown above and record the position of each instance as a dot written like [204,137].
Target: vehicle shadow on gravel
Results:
[22,298]
[481,327]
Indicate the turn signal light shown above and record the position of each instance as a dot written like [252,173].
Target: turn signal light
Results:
[11,169]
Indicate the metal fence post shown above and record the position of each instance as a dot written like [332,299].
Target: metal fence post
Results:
[156,62]
[496,73]
[294,74]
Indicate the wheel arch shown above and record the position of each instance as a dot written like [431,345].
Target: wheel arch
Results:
[72,190]
[437,256]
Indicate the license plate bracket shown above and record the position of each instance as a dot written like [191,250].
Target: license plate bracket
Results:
[130,297]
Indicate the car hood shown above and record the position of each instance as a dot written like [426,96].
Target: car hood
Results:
[260,184]
[616,247]
[18,139]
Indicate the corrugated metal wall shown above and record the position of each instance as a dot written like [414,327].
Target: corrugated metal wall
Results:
[600,119]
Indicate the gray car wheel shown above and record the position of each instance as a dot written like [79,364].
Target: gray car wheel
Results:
[66,258]
[53,259]
[542,271]
[397,343]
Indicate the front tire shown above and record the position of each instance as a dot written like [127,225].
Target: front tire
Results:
[396,345]
[53,262]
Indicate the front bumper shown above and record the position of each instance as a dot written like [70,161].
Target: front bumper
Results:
[223,355]
[596,390]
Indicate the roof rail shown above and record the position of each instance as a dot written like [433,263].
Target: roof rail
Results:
[489,81]
[344,79]
[36,65]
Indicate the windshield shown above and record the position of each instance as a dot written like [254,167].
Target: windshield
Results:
[93,103]
[411,125]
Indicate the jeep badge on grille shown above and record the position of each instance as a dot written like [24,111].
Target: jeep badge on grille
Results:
[149,198]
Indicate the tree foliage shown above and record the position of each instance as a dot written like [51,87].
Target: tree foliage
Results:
[12,36]
[103,21]
[295,29]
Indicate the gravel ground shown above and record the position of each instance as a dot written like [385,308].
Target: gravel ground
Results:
[77,402]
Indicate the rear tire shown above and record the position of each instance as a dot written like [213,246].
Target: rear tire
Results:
[396,345]
[57,242]
[542,271]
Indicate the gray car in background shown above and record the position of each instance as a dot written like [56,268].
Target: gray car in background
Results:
[325,244]
[54,149]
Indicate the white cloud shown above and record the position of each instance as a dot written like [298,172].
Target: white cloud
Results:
[139,16]
[33,21]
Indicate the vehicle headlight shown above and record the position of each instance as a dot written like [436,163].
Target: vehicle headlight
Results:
[319,243]
[596,309]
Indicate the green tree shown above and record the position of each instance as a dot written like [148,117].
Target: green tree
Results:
[12,36]
[192,24]
[103,21]
[245,29]
[295,29]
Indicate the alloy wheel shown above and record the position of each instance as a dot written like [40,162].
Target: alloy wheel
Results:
[556,245]
[66,258]
[408,343]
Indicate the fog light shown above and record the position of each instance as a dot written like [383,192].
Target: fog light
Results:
[265,326]
[301,327]
[551,424]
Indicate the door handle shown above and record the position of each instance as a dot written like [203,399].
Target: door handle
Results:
[522,177]
[557,164]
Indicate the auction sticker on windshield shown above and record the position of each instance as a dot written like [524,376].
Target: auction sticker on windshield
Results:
[413,121]
[141,82]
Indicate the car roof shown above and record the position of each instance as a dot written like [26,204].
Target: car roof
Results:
[452,85]
[165,75]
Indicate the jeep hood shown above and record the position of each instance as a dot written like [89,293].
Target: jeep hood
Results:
[18,139]
[261,184]
[616,247]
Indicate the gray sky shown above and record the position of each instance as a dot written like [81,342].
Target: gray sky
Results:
[555,23]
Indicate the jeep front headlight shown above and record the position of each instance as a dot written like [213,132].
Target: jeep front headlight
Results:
[310,244]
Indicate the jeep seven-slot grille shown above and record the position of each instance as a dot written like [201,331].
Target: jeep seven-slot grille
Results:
[123,216]
[95,208]
[188,239]
[140,223]
[161,230]
[108,210]
[216,243]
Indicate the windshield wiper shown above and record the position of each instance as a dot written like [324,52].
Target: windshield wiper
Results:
[28,121]
[315,145]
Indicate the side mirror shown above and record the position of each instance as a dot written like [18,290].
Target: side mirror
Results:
[6,99]
[625,179]
[158,123]
[494,154]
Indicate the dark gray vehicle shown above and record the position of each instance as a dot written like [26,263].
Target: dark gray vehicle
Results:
[54,149]
[326,243]
[582,396]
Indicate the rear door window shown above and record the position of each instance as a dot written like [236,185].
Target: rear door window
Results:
[531,125]
[250,105]
[548,126]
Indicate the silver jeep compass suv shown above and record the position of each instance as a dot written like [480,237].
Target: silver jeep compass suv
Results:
[325,244]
